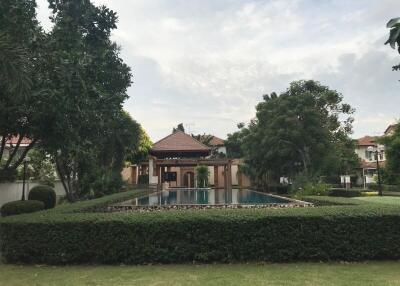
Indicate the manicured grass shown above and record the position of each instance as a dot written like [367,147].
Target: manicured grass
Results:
[381,200]
[318,274]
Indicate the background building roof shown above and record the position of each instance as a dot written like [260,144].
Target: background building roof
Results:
[179,141]
[215,141]
[367,141]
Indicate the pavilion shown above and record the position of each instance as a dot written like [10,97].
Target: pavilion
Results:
[174,158]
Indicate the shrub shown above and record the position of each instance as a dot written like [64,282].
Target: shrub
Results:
[21,207]
[202,174]
[45,194]
[369,194]
[63,235]
[333,201]
[311,190]
[385,188]
[278,189]
[341,192]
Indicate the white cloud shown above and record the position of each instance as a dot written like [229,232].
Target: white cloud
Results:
[209,62]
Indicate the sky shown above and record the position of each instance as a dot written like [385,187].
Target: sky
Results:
[207,63]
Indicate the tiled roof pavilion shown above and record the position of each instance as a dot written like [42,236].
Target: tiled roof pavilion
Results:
[179,144]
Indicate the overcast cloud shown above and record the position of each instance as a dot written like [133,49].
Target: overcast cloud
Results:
[207,63]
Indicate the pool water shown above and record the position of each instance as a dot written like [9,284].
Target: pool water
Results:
[206,197]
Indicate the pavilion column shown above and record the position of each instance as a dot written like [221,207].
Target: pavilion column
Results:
[158,173]
[134,170]
[162,174]
[216,176]
[240,179]
[228,176]
[225,177]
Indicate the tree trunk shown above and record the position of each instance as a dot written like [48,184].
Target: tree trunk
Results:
[3,145]
[15,149]
[65,177]
[23,155]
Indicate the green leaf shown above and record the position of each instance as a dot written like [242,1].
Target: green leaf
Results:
[394,37]
[393,22]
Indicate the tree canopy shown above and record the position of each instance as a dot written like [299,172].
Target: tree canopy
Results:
[140,154]
[64,90]
[303,130]
[179,127]
[234,142]
[23,91]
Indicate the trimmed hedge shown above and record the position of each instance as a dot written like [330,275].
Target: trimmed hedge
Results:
[385,188]
[333,201]
[348,193]
[21,207]
[45,194]
[352,232]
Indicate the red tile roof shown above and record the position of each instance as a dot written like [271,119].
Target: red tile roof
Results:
[371,165]
[366,141]
[14,140]
[179,141]
[215,141]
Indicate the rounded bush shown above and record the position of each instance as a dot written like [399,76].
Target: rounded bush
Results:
[21,207]
[45,194]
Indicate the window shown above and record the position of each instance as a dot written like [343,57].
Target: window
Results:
[368,155]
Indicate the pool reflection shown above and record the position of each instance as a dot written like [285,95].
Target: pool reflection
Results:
[206,197]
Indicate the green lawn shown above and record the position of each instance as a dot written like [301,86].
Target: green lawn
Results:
[319,274]
[381,200]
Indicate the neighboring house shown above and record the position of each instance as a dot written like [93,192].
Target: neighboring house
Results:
[11,143]
[367,158]
[390,130]
[218,145]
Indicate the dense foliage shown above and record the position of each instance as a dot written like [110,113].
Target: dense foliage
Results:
[45,194]
[63,235]
[21,207]
[391,172]
[140,154]
[64,90]
[305,130]
[40,168]
[235,140]
[24,96]
[89,76]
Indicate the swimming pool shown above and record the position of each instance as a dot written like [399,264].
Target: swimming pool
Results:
[206,196]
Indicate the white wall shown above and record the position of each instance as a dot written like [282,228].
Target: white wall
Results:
[360,151]
[13,191]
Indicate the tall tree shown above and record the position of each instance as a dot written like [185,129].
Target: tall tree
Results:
[90,82]
[296,131]
[394,36]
